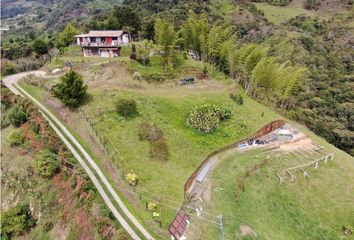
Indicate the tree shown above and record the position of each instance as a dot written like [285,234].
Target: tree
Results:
[133,54]
[66,37]
[143,52]
[166,37]
[123,17]
[46,163]
[15,221]
[17,115]
[40,46]
[194,27]
[71,90]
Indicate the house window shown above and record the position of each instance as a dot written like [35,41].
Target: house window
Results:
[92,39]
[102,39]
[114,38]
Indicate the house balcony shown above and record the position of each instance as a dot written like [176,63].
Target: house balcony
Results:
[102,44]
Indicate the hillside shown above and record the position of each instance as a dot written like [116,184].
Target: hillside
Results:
[48,16]
[45,200]
[218,118]
[166,105]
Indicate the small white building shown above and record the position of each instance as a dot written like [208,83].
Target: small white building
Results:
[103,43]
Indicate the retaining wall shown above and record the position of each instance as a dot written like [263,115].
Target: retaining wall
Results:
[261,132]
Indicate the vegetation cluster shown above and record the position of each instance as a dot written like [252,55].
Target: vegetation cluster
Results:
[49,180]
[206,118]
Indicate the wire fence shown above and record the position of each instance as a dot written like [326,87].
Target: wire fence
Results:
[112,152]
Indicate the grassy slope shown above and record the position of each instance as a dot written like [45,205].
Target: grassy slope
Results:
[38,93]
[278,14]
[187,147]
[14,161]
[167,106]
[314,208]
[168,109]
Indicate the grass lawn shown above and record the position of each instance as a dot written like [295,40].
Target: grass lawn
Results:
[313,208]
[187,147]
[278,14]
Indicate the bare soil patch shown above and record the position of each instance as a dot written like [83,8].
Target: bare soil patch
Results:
[247,231]
[117,76]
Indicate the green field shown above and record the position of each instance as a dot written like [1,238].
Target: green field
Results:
[167,105]
[168,109]
[278,14]
[317,207]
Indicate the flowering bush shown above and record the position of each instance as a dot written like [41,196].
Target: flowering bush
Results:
[152,206]
[132,179]
[206,118]
[155,214]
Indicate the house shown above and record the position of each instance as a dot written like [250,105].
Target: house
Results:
[102,43]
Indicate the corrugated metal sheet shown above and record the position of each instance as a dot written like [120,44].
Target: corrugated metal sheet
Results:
[179,224]
[204,171]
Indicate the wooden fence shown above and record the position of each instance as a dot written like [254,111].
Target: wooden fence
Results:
[303,168]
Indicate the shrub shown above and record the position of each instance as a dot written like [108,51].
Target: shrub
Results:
[152,206]
[121,234]
[126,107]
[40,46]
[158,144]
[71,90]
[4,121]
[31,63]
[15,221]
[159,150]
[137,76]
[308,42]
[205,70]
[16,137]
[237,98]
[149,132]
[206,118]
[9,68]
[46,163]
[132,179]
[144,61]
[154,77]
[17,115]
[35,81]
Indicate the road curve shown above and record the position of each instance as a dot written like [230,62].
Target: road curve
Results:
[11,83]
[12,79]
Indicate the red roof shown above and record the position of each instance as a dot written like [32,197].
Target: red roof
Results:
[179,224]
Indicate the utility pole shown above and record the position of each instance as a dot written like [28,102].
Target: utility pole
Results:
[221,227]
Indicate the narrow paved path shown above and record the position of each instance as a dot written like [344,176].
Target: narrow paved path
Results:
[11,83]
[10,80]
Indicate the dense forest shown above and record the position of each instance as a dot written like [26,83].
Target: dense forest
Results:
[302,67]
